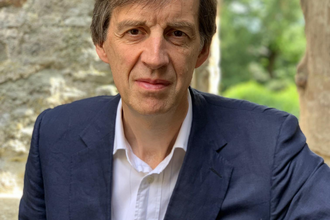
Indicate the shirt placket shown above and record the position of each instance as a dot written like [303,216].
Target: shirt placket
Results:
[155,197]
[142,199]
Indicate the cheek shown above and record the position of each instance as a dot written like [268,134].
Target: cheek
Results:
[184,74]
[185,64]
[187,67]
[120,64]
[126,60]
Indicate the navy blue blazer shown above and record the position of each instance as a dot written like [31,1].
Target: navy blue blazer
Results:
[244,162]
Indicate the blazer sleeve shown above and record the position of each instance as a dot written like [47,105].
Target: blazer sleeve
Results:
[300,179]
[32,204]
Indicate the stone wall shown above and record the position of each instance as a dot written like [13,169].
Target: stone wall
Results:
[47,58]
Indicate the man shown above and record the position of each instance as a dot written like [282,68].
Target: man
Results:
[161,150]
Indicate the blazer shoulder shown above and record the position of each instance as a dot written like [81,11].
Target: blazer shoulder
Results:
[242,107]
[74,117]
[84,107]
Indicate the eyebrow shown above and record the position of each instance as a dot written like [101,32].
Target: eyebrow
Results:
[130,23]
[183,24]
[186,26]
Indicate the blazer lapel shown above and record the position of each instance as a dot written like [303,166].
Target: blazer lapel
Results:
[204,177]
[91,168]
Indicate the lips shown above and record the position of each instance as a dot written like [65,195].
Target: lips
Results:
[151,84]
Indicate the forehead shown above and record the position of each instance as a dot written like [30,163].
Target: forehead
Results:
[157,9]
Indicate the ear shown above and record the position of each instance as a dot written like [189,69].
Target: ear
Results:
[203,55]
[101,52]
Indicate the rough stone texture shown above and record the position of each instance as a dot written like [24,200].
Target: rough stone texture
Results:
[17,3]
[8,208]
[313,78]
[47,58]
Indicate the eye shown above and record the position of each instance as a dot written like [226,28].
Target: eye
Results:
[178,37]
[134,34]
[178,33]
[134,31]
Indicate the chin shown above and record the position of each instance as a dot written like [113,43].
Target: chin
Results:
[151,109]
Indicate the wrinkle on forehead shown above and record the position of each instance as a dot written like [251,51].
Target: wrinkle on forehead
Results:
[157,6]
[157,3]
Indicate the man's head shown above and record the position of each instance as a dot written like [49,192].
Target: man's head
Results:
[103,10]
[152,48]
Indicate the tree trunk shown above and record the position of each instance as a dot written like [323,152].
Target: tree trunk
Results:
[207,77]
[313,77]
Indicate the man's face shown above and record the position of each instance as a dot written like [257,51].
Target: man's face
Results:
[152,52]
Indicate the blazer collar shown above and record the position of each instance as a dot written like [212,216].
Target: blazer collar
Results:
[103,125]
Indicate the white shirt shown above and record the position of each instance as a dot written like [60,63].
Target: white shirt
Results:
[138,192]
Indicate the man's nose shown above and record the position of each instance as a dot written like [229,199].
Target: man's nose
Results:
[155,54]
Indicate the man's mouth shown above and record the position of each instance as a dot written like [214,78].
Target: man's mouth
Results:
[151,84]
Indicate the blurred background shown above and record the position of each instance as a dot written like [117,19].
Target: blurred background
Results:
[47,58]
[262,41]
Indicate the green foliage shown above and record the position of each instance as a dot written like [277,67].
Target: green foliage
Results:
[261,40]
[285,99]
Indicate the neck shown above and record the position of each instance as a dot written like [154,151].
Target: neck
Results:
[152,137]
